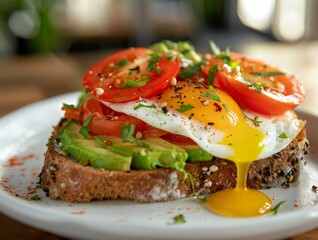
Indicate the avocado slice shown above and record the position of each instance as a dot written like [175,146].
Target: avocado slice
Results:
[83,149]
[157,153]
[197,154]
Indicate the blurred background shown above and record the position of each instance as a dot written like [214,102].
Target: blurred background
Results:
[46,45]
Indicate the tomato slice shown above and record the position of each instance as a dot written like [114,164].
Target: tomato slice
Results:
[125,76]
[256,85]
[108,122]
[178,139]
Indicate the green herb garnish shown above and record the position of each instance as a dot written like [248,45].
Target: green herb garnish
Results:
[135,83]
[212,72]
[127,132]
[153,62]
[274,209]
[212,96]
[253,120]
[266,74]
[283,135]
[84,131]
[140,105]
[258,87]
[69,106]
[179,219]
[121,63]
[218,54]
[35,197]
[184,108]
[225,106]
[190,71]
[214,48]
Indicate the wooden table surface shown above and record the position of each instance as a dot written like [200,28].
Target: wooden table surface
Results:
[29,79]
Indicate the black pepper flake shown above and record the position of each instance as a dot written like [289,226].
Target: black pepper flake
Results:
[191,115]
[314,188]
[164,109]
[210,123]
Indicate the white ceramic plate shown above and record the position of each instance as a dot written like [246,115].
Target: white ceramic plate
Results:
[23,135]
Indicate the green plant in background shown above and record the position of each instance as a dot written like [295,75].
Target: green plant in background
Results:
[28,25]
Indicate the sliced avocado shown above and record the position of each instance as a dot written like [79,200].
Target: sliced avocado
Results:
[83,149]
[158,153]
[197,154]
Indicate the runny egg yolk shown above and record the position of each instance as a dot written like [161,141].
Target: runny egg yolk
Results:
[216,109]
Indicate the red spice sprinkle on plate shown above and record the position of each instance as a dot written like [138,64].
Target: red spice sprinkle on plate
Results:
[78,213]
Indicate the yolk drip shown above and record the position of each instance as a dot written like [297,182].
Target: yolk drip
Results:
[218,110]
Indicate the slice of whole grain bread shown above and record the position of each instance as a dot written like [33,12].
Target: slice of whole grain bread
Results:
[62,177]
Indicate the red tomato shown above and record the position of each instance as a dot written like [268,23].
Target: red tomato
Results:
[257,86]
[108,78]
[178,139]
[70,113]
[108,122]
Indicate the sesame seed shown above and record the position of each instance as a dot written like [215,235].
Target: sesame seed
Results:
[205,102]
[207,127]
[164,104]
[90,72]
[204,169]
[173,82]
[111,64]
[214,168]
[138,135]
[200,80]
[207,184]
[99,91]
[115,117]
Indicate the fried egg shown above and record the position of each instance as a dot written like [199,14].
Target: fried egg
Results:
[212,119]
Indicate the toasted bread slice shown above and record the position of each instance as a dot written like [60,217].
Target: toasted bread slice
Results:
[64,178]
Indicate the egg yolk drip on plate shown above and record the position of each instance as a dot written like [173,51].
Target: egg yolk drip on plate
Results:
[212,119]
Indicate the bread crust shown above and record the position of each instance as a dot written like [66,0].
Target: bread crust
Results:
[64,178]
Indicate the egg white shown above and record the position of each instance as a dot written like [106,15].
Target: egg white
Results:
[209,138]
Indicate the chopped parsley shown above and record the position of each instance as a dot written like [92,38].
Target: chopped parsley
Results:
[225,106]
[218,54]
[283,135]
[183,108]
[84,131]
[153,62]
[253,120]
[211,96]
[69,106]
[35,197]
[127,132]
[140,105]
[274,209]
[190,71]
[135,83]
[179,219]
[266,74]
[258,87]
[212,73]
[121,63]
[214,48]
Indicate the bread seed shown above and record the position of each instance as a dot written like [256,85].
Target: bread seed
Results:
[214,168]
